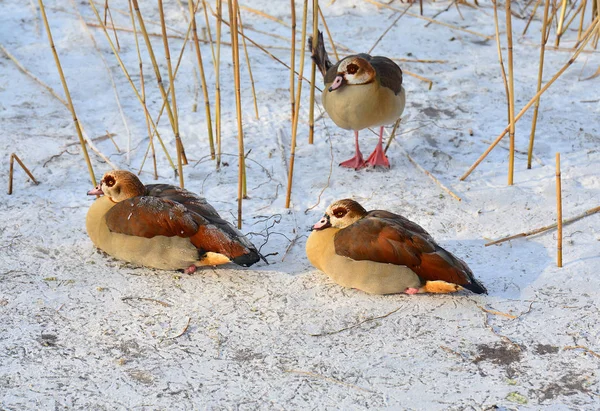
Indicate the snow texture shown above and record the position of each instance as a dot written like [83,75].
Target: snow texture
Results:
[80,330]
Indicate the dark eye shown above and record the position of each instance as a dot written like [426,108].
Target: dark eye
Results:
[339,212]
[352,68]
[109,181]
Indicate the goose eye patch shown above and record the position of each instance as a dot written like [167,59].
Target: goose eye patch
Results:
[109,181]
[352,68]
[339,212]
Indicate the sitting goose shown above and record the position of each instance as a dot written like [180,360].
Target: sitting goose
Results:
[162,226]
[383,253]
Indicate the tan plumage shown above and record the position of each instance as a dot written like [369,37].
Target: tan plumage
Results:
[383,253]
[162,226]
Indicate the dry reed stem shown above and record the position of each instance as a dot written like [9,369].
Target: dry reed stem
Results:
[561,20]
[112,81]
[68,96]
[139,97]
[293,58]
[241,28]
[233,7]
[544,40]
[217,68]
[389,28]
[337,58]
[559,224]
[313,71]
[593,27]
[537,4]
[500,59]
[14,157]
[181,159]
[128,30]
[565,222]
[288,194]
[211,142]
[143,88]
[112,23]
[357,324]
[156,23]
[581,347]
[378,4]
[580,29]
[210,38]
[265,15]
[392,135]
[500,313]
[32,76]
[511,99]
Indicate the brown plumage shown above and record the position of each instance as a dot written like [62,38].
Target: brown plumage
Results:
[381,237]
[180,228]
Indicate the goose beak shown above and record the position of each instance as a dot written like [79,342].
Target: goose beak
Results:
[337,83]
[322,224]
[96,191]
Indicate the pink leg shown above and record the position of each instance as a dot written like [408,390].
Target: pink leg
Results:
[190,270]
[378,157]
[411,291]
[357,161]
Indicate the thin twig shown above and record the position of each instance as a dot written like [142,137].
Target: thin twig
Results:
[546,228]
[164,304]
[581,347]
[183,331]
[559,237]
[312,374]
[511,95]
[14,157]
[241,29]
[357,324]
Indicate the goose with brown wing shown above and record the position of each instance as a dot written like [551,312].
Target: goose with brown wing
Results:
[384,253]
[162,226]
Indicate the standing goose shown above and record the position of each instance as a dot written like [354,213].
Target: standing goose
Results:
[361,91]
[162,226]
[383,253]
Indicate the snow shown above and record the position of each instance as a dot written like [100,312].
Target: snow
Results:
[81,330]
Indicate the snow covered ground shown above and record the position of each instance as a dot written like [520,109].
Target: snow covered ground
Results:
[80,330]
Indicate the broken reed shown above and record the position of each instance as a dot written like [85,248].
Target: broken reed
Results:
[14,157]
[585,39]
[559,236]
[211,142]
[313,70]
[297,108]
[545,35]
[235,52]
[511,99]
[68,95]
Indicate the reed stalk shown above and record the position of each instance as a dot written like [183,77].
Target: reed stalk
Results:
[210,38]
[313,71]
[544,40]
[561,20]
[218,83]
[235,52]
[297,112]
[181,159]
[241,28]
[511,99]
[14,157]
[501,60]
[135,90]
[580,29]
[202,78]
[549,227]
[68,95]
[586,38]
[143,92]
[559,237]
[337,58]
[293,58]
[537,4]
